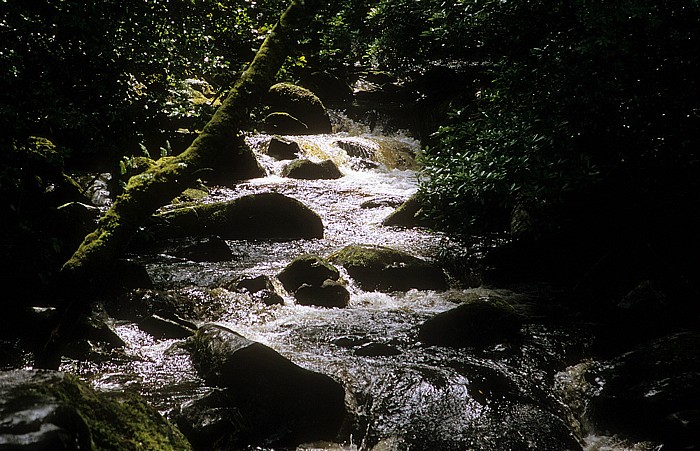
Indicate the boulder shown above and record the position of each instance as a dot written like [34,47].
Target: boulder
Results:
[236,162]
[141,303]
[265,399]
[54,411]
[256,216]
[309,170]
[476,323]
[329,88]
[260,289]
[197,249]
[653,393]
[284,124]
[127,275]
[307,269]
[358,147]
[300,103]
[384,269]
[282,149]
[329,294]
[409,214]
[162,327]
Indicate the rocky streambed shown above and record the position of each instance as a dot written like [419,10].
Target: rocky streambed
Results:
[285,313]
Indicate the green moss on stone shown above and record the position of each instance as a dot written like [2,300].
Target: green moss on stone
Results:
[373,257]
[116,421]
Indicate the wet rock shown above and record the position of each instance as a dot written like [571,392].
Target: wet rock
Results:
[128,275]
[256,216]
[477,323]
[384,201]
[161,327]
[350,341]
[385,269]
[329,88]
[307,269]
[265,400]
[282,149]
[309,170]
[260,289]
[300,103]
[409,214]
[235,162]
[428,408]
[141,303]
[96,329]
[329,294]
[376,350]
[54,411]
[358,147]
[75,221]
[197,249]
[284,124]
[193,194]
[653,393]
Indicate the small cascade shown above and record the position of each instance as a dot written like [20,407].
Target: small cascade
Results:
[401,393]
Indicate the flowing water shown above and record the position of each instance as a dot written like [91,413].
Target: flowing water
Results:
[405,396]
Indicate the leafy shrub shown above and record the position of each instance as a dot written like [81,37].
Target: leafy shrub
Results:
[588,91]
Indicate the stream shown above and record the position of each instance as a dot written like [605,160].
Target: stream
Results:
[400,394]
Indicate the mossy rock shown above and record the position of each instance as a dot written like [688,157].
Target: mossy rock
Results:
[384,269]
[408,214]
[284,124]
[309,170]
[307,269]
[261,216]
[300,103]
[476,323]
[50,410]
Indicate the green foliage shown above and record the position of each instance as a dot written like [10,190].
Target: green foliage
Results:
[579,92]
[99,76]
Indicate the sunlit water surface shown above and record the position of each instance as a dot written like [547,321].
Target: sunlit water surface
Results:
[438,394]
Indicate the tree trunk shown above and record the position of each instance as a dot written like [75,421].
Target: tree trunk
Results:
[150,190]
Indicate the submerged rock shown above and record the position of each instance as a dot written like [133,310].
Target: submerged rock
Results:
[653,393]
[265,399]
[163,327]
[385,269]
[54,411]
[309,170]
[260,289]
[300,103]
[477,323]
[256,216]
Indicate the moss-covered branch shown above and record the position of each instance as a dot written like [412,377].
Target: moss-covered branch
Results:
[148,191]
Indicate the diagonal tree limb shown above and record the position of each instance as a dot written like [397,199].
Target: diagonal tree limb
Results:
[152,189]
[148,191]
